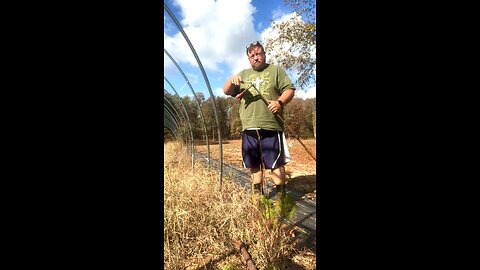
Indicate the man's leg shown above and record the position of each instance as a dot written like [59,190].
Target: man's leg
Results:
[278,176]
[274,157]
[251,159]
[257,180]
[256,175]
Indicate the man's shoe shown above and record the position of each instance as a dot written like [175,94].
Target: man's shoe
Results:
[280,191]
[258,189]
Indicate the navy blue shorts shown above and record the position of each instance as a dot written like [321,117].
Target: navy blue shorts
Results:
[272,148]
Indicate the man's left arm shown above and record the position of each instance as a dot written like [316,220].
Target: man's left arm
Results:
[286,96]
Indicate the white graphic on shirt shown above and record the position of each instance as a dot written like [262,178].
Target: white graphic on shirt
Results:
[257,81]
[261,82]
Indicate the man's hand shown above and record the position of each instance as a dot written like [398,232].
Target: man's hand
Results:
[231,84]
[236,80]
[274,106]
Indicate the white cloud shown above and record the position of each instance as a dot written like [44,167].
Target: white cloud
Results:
[310,93]
[219,92]
[277,14]
[259,25]
[218,31]
[193,77]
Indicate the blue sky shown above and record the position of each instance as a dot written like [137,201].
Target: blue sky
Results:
[219,31]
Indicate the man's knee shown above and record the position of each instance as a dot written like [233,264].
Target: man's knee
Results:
[278,175]
[254,170]
[256,175]
[279,170]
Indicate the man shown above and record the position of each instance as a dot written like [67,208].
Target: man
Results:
[263,139]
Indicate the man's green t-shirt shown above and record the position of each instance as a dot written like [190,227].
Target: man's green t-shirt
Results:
[272,81]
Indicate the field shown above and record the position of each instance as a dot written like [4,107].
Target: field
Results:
[301,170]
[204,226]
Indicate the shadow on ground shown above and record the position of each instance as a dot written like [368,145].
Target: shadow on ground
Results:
[299,187]
[303,185]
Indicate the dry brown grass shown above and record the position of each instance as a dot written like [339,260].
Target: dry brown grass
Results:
[201,223]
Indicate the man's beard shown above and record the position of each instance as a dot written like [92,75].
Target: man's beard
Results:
[258,66]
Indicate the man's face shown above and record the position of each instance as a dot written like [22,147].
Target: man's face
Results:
[257,58]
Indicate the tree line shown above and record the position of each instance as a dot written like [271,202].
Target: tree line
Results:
[299,115]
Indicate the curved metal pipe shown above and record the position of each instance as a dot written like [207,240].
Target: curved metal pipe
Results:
[196,100]
[208,86]
[187,119]
[181,117]
[168,116]
[173,125]
[169,125]
[174,115]
[183,107]
[176,112]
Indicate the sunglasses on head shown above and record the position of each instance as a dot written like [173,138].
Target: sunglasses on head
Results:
[256,43]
